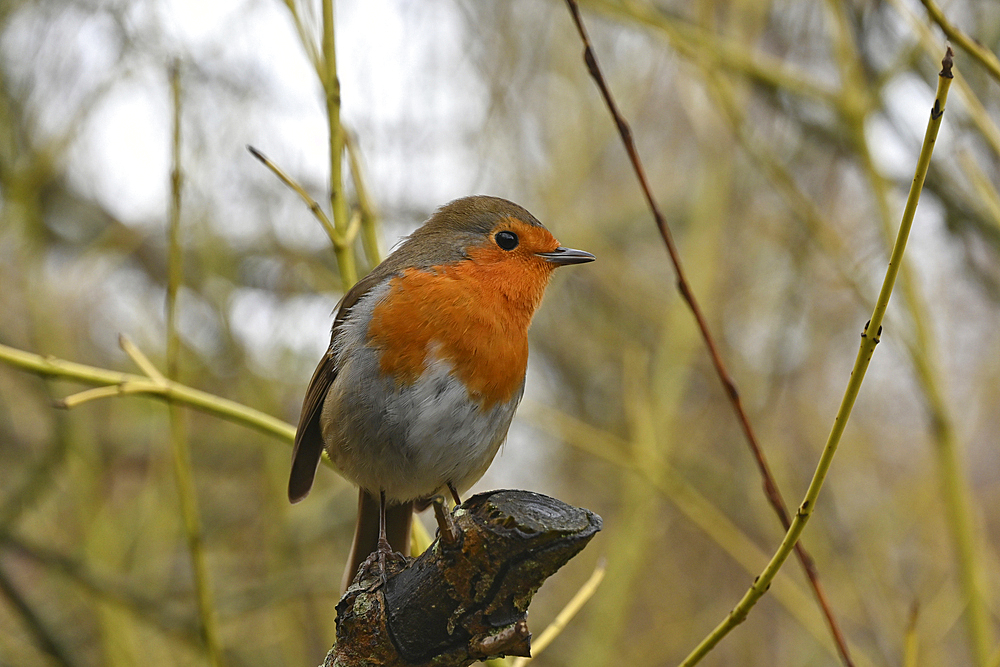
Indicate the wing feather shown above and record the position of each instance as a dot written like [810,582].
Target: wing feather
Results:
[308,449]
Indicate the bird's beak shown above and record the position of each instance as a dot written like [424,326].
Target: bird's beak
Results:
[563,256]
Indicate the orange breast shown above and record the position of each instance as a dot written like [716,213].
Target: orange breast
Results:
[473,315]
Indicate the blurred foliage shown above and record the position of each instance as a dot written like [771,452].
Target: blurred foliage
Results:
[779,138]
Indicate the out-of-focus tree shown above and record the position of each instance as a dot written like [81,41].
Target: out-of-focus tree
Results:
[779,139]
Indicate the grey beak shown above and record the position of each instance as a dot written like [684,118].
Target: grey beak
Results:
[563,256]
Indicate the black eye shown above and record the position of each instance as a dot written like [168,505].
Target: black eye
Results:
[506,240]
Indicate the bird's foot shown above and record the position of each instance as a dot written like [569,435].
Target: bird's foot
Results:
[381,565]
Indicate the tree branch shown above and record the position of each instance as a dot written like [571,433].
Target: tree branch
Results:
[466,597]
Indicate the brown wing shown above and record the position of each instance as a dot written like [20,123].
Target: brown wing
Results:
[309,436]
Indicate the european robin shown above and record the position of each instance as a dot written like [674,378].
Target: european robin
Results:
[426,365]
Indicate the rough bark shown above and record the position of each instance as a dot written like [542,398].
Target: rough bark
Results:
[466,597]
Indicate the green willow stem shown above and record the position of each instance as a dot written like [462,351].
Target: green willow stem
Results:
[130,383]
[314,207]
[180,448]
[977,51]
[369,220]
[869,339]
[346,262]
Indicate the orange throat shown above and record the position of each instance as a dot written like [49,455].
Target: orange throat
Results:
[473,315]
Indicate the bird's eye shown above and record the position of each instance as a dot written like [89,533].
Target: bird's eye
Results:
[506,240]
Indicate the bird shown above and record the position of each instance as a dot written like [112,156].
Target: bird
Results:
[426,366]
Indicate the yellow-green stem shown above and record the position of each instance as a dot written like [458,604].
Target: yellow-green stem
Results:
[911,642]
[976,50]
[338,203]
[954,492]
[130,383]
[869,339]
[335,237]
[179,446]
[369,221]
[958,509]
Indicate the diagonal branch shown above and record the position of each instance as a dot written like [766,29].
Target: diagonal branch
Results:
[977,51]
[870,337]
[770,487]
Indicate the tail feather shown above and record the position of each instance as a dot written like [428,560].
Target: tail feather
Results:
[397,529]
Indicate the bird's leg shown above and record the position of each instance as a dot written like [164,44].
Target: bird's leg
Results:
[383,541]
[384,548]
[454,494]
[446,524]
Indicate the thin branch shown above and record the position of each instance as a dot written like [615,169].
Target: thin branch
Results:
[973,106]
[691,503]
[954,491]
[369,219]
[771,490]
[314,207]
[977,51]
[308,45]
[36,625]
[140,359]
[93,394]
[129,383]
[566,615]
[338,202]
[324,60]
[180,448]
[869,339]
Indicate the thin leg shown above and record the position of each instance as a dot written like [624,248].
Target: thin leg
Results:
[446,524]
[384,549]
[454,493]
[382,528]
[383,541]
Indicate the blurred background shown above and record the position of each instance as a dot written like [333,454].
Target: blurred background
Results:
[780,139]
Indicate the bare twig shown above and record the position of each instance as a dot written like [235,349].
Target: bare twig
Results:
[346,262]
[114,383]
[369,219]
[870,337]
[566,615]
[313,205]
[770,487]
[180,448]
[140,359]
[977,51]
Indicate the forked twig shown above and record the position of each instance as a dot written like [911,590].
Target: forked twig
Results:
[770,487]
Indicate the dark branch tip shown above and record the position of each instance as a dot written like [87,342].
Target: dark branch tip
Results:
[256,153]
[947,63]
